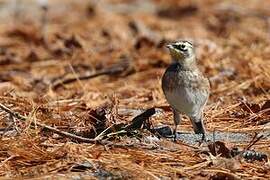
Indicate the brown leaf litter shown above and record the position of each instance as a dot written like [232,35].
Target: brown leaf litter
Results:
[80,89]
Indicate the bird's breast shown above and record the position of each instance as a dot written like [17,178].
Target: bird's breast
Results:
[185,91]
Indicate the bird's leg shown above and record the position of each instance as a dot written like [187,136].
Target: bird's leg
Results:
[176,119]
[203,137]
[198,127]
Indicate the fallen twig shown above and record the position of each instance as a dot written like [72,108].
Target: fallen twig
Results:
[254,140]
[104,133]
[59,83]
[57,131]
[145,115]
[138,121]
[122,66]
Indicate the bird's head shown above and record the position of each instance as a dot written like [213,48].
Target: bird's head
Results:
[181,51]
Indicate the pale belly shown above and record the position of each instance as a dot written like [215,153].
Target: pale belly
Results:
[186,100]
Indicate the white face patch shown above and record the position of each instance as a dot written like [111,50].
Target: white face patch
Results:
[181,50]
[183,46]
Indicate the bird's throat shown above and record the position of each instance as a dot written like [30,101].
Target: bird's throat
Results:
[187,63]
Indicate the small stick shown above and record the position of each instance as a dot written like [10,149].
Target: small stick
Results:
[254,140]
[214,141]
[57,131]
[138,121]
[57,84]
[103,133]
[114,69]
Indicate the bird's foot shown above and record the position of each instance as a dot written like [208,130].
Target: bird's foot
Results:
[202,140]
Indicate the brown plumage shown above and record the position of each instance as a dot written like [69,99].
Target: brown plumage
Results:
[184,86]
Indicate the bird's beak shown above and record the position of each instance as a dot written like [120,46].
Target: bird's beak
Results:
[169,46]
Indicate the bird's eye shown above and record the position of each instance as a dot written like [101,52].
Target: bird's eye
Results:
[181,47]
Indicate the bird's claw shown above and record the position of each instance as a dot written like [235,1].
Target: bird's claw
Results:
[202,140]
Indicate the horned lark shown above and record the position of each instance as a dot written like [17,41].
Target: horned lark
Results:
[184,86]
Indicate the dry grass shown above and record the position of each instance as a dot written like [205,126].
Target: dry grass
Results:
[233,47]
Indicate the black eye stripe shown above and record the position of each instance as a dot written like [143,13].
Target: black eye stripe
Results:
[181,47]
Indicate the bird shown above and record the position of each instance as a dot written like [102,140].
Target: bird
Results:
[184,86]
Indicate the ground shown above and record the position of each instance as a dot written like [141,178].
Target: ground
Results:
[84,66]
